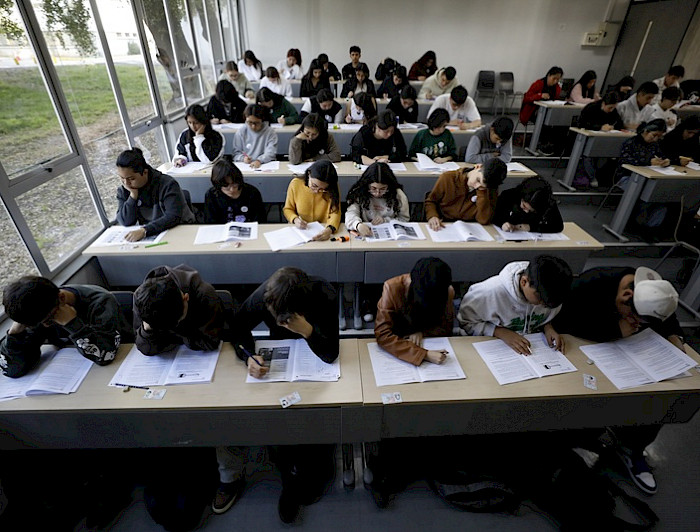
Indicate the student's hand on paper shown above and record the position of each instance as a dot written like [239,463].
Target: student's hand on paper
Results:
[675,340]
[665,162]
[628,326]
[606,127]
[429,95]
[416,338]
[16,328]
[280,120]
[436,357]
[247,159]
[298,324]
[64,314]
[224,121]
[508,227]
[364,230]
[255,164]
[435,223]
[516,342]
[135,235]
[348,119]
[545,96]
[323,235]
[463,125]
[685,160]
[177,163]
[381,159]
[378,220]
[554,339]
[522,227]
[257,370]
[299,222]
[440,160]
[215,121]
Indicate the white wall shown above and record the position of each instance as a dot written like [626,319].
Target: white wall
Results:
[522,36]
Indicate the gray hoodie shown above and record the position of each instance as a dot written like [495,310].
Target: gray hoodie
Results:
[261,146]
[499,302]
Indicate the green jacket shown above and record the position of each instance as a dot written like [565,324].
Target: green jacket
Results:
[441,146]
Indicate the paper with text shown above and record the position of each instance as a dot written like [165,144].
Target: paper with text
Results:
[210,234]
[461,232]
[292,236]
[293,360]
[114,236]
[529,235]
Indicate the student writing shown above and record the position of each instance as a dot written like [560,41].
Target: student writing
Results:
[313,142]
[199,142]
[528,207]
[437,142]
[225,106]
[281,110]
[230,198]
[492,141]
[256,143]
[379,140]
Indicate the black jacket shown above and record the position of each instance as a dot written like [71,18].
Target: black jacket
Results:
[409,115]
[217,109]
[365,143]
[594,118]
[248,207]
[508,210]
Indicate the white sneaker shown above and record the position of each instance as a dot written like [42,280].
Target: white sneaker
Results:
[594,183]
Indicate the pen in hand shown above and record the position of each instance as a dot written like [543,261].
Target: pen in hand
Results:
[248,354]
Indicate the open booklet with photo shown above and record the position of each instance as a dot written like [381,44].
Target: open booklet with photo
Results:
[395,230]
[292,236]
[179,366]
[642,358]
[460,231]
[293,360]
[61,371]
[509,366]
[528,235]
[210,234]
[115,236]
[426,164]
[389,370]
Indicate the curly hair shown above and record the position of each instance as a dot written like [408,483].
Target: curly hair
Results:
[376,173]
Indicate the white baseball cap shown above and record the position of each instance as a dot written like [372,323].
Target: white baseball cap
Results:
[653,296]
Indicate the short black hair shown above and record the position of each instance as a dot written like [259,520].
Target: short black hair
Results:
[286,293]
[438,118]
[133,159]
[159,302]
[671,93]
[324,95]
[30,299]
[386,119]
[648,87]
[495,172]
[459,94]
[258,111]
[450,73]
[225,92]
[555,70]
[611,98]
[551,278]
[363,67]
[657,124]
[355,48]
[225,168]
[322,58]
[677,70]
[408,92]
[537,192]
[503,127]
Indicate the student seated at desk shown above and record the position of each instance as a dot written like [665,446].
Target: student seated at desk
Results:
[404,105]
[250,66]
[392,85]
[173,307]
[524,298]
[583,90]
[681,146]
[460,106]
[437,141]
[314,81]
[225,106]
[329,69]
[323,104]
[281,110]
[663,109]
[293,305]
[465,194]
[290,68]
[386,68]
[312,142]
[315,198]
[528,207]
[349,68]
[256,143]
[442,82]
[148,198]
[425,66]
[672,79]
[379,140]
[414,306]
[237,79]
[492,141]
[625,87]
[375,198]
[276,83]
[361,108]
[199,142]
[631,109]
[602,115]
[544,89]
[608,303]
[360,82]
[83,316]
[230,198]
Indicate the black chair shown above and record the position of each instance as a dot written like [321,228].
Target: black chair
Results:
[486,87]
[566,85]
[506,89]
[227,304]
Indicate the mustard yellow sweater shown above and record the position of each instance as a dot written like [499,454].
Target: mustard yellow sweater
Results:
[301,201]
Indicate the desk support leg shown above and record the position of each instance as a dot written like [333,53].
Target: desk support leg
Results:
[341,307]
[624,209]
[356,307]
[535,138]
[574,159]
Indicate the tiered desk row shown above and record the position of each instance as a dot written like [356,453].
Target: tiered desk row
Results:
[228,411]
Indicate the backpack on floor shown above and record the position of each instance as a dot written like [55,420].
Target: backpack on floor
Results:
[475,493]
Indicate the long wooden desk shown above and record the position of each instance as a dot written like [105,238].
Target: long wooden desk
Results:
[479,405]
[273,185]
[687,110]
[649,185]
[227,411]
[592,144]
[343,137]
[552,115]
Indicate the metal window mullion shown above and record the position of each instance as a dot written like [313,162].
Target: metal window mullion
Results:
[220,31]
[209,40]
[112,71]
[36,179]
[198,70]
[242,28]
[176,57]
